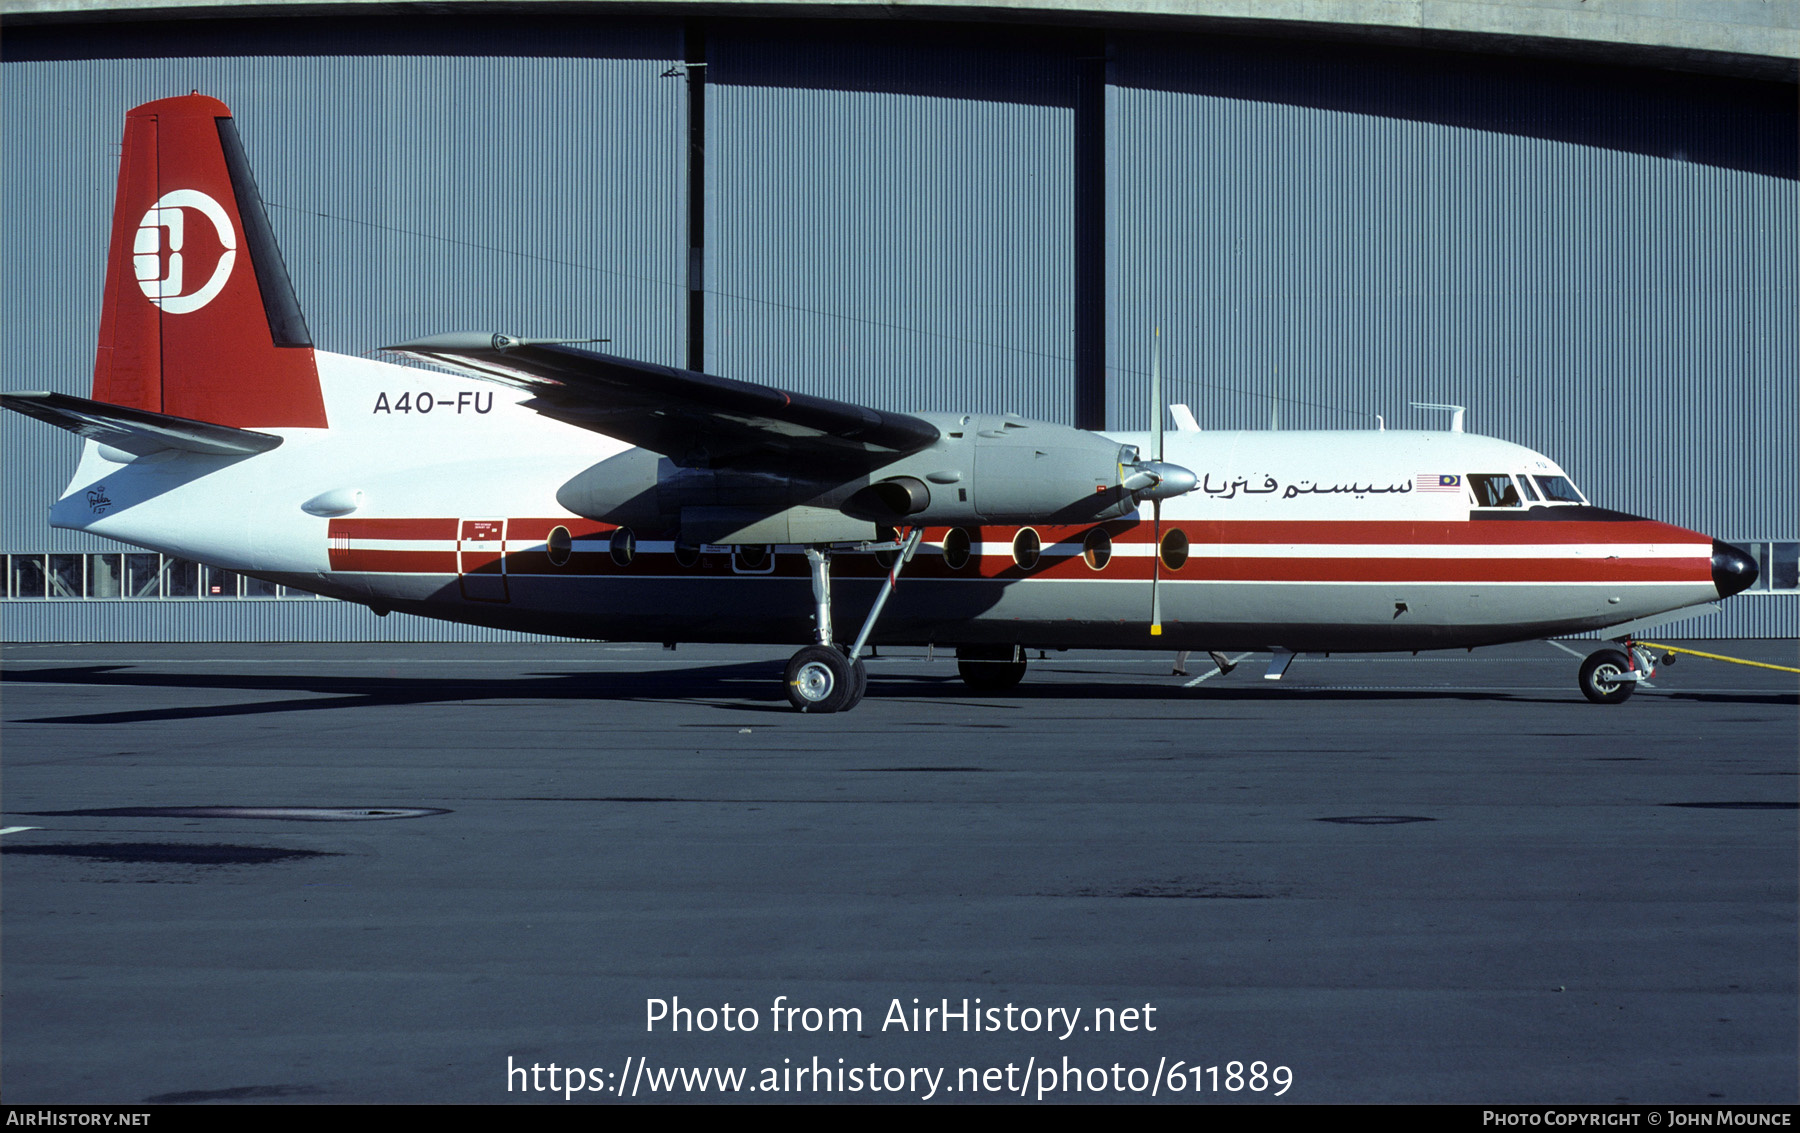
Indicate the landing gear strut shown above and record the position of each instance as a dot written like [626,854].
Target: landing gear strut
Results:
[825,677]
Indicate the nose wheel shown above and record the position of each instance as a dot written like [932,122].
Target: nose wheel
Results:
[1600,677]
[1609,676]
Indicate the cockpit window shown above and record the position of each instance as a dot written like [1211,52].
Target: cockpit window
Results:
[1493,489]
[1558,490]
[1530,492]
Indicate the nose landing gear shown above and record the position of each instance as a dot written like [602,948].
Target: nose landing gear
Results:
[1610,676]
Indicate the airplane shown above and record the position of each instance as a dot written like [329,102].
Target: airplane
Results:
[545,486]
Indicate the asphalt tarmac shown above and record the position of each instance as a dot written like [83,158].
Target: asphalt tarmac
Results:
[1444,878]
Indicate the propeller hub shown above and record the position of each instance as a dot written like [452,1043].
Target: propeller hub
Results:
[1158,480]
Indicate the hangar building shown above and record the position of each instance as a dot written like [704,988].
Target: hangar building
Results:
[1576,219]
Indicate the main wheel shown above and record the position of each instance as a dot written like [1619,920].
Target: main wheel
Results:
[820,679]
[990,668]
[1600,675]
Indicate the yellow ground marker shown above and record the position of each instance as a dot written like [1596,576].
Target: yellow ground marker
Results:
[1716,657]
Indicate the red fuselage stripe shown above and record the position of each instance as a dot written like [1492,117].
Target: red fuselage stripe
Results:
[1395,566]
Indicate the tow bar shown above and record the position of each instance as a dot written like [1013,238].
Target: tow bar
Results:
[1715,657]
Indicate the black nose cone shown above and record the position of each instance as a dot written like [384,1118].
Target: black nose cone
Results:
[1733,570]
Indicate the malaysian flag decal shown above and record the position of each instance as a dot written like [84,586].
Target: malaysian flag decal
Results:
[1438,482]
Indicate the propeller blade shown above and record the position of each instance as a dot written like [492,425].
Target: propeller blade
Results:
[1156,405]
[1156,570]
[1156,426]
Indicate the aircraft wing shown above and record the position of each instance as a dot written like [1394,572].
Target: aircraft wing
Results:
[695,419]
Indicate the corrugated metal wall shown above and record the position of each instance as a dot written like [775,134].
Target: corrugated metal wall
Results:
[1747,615]
[889,216]
[1599,263]
[411,194]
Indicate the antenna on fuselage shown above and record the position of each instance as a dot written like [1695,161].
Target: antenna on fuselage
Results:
[1456,413]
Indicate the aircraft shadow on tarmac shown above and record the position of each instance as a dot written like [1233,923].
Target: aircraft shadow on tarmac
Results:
[753,687]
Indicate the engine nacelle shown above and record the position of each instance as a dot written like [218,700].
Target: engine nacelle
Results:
[1001,470]
[642,490]
[982,470]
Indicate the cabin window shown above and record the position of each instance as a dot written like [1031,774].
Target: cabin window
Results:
[956,548]
[1174,549]
[559,546]
[1026,547]
[1558,490]
[1494,489]
[1096,549]
[624,546]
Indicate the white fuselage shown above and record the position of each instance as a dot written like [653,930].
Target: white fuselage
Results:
[436,494]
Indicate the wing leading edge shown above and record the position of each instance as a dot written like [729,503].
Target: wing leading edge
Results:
[697,420]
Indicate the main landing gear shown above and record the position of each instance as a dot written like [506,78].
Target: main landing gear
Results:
[823,678]
[826,677]
[1610,676]
[990,668]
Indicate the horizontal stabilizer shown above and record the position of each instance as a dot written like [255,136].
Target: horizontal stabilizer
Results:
[136,430]
[694,419]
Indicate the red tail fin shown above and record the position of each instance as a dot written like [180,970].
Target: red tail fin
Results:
[200,320]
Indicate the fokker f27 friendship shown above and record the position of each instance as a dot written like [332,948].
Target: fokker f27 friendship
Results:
[546,487]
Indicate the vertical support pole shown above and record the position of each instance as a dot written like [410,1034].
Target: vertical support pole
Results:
[1090,233]
[694,53]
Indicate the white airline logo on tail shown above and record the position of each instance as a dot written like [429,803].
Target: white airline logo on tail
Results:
[164,288]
